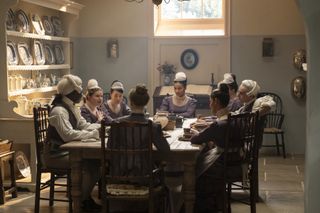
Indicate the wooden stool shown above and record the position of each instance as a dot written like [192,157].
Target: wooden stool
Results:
[7,156]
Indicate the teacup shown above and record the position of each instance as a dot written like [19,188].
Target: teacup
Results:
[187,130]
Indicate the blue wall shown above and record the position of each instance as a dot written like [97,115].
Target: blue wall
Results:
[274,75]
[91,61]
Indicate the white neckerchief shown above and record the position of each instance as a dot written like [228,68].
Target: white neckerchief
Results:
[180,101]
[74,109]
[94,112]
[115,110]
[222,114]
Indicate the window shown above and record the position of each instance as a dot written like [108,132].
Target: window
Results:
[195,17]
[196,9]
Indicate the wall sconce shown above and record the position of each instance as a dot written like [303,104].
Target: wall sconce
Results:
[113,48]
[267,47]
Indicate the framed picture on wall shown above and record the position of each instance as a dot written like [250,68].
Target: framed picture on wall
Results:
[113,48]
[189,59]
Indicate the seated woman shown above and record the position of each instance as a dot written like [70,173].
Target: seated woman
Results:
[66,124]
[210,159]
[180,103]
[115,106]
[230,80]
[91,109]
[139,98]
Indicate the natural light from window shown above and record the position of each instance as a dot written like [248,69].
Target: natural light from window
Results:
[195,9]
[191,18]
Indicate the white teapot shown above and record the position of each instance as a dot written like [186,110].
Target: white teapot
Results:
[22,102]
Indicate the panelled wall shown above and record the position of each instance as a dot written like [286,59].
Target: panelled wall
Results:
[241,53]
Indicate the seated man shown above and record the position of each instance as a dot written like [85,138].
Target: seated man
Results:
[66,124]
[247,94]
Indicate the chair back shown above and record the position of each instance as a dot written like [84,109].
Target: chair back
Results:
[129,151]
[41,123]
[241,138]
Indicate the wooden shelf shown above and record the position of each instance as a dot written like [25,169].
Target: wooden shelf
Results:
[34,90]
[60,5]
[39,67]
[37,36]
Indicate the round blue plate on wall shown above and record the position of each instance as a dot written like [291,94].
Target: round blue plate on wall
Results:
[189,59]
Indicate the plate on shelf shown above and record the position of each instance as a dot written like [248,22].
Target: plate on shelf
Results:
[58,52]
[10,23]
[22,21]
[49,56]
[38,53]
[37,24]
[24,54]
[12,55]
[23,164]
[47,25]
[57,26]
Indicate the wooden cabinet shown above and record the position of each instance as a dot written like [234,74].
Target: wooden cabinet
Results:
[16,120]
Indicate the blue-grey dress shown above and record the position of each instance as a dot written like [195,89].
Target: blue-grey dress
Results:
[91,118]
[234,104]
[188,110]
[124,110]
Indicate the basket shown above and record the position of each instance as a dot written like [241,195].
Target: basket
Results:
[5,146]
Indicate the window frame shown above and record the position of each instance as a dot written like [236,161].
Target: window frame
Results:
[194,23]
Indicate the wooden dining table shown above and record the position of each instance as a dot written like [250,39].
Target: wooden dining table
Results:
[182,152]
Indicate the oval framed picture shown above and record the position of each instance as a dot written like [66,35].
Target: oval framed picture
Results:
[298,87]
[189,59]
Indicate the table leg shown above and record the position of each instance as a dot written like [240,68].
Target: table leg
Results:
[189,187]
[76,179]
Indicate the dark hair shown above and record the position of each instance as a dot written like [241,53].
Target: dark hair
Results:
[118,90]
[234,85]
[90,92]
[139,96]
[184,83]
[222,94]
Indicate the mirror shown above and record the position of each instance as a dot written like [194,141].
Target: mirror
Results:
[299,58]
[298,87]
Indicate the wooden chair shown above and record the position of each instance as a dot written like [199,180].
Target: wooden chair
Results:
[130,174]
[243,130]
[240,138]
[7,156]
[273,124]
[41,124]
